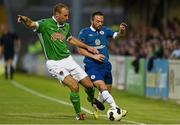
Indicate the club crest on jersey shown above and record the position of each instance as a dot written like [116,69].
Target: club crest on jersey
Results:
[101,32]
[97,42]
[57,35]
[93,76]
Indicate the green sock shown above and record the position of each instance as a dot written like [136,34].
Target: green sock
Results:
[75,99]
[90,92]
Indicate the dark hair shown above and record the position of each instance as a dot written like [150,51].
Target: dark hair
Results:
[99,13]
[58,7]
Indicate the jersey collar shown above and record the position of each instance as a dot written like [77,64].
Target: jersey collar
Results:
[58,25]
[91,27]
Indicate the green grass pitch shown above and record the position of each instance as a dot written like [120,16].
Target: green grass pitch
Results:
[31,99]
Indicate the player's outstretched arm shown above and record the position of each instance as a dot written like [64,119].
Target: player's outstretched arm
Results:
[26,21]
[80,44]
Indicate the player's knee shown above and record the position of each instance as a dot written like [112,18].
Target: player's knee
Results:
[109,87]
[102,87]
[89,85]
[74,87]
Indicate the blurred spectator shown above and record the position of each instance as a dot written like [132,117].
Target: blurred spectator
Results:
[147,41]
[176,52]
[144,41]
[10,45]
[35,48]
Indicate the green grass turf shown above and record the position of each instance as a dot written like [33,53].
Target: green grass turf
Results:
[19,106]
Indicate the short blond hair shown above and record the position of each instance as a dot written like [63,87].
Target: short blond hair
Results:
[57,8]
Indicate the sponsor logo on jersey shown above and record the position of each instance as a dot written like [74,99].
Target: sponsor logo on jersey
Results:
[97,42]
[90,34]
[99,47]
[57,35]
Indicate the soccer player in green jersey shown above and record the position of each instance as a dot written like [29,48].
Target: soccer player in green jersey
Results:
[54,33]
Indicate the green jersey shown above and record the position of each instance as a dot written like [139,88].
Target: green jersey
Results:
[53,38]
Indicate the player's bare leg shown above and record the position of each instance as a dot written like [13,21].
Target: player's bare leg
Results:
[9,70]
[74,96]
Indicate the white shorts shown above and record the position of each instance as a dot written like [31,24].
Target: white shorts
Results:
[62,68]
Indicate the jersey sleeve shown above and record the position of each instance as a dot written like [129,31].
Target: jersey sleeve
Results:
[82,36]
[69,35]
[110,33]
[39,25]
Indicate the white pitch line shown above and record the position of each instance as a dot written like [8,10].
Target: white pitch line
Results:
[44,96]
[18,85]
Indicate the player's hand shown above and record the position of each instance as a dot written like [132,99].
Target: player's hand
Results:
[92,50]
[99,57]
[21,18]
[123,27]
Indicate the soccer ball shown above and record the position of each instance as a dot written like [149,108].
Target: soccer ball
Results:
[114,114]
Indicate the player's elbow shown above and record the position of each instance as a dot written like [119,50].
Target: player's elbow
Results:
[32,26]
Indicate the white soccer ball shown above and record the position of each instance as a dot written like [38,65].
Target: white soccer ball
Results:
[114,114]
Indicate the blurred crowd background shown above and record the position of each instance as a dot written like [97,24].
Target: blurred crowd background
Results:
[153,25]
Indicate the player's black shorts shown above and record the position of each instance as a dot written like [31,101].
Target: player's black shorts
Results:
[8,55]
